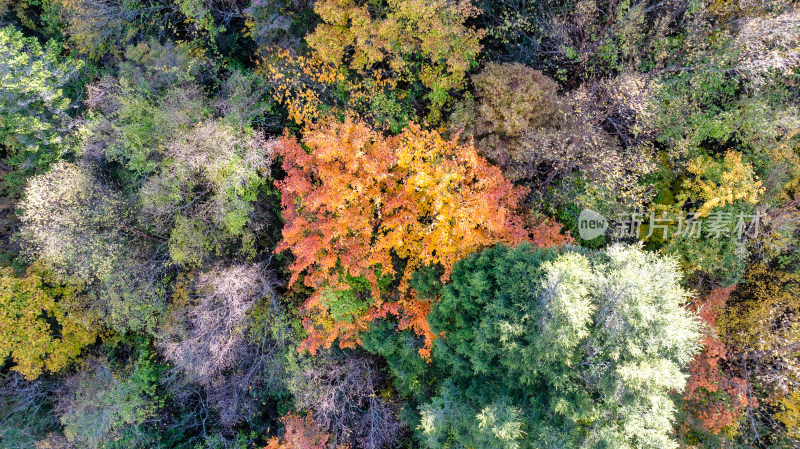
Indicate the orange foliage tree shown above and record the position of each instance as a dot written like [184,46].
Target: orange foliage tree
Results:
[358,205]
[546,233]
[302,433]
[714,398]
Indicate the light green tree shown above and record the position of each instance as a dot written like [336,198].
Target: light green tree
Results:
[195,176]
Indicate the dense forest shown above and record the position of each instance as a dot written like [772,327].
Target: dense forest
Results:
[297,224]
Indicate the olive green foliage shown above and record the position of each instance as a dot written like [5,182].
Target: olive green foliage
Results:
[560,349]
[756,317]
[27,303]
[762,323]
[512,99]
[33,104]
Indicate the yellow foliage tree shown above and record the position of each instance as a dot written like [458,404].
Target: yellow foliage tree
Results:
[433,29]
[766,317]
[402,41]
[718,183]
[28,306]
[302,84]
[762,324]
[790,413]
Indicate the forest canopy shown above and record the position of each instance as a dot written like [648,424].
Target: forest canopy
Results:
[399,224]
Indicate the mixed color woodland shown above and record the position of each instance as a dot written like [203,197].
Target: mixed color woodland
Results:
[319,224]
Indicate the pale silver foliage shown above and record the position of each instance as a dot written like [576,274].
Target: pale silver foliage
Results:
[209,183]
[72,221]
[769,44]
[80,228]
[209,335]
[568,314]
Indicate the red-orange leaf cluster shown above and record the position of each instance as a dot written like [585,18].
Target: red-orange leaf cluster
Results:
[360,204]
[302,433]
[546,233]
[715,398]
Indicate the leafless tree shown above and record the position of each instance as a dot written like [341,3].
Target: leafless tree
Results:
[207,337]
[222,355]
[23,405]
[343,392]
